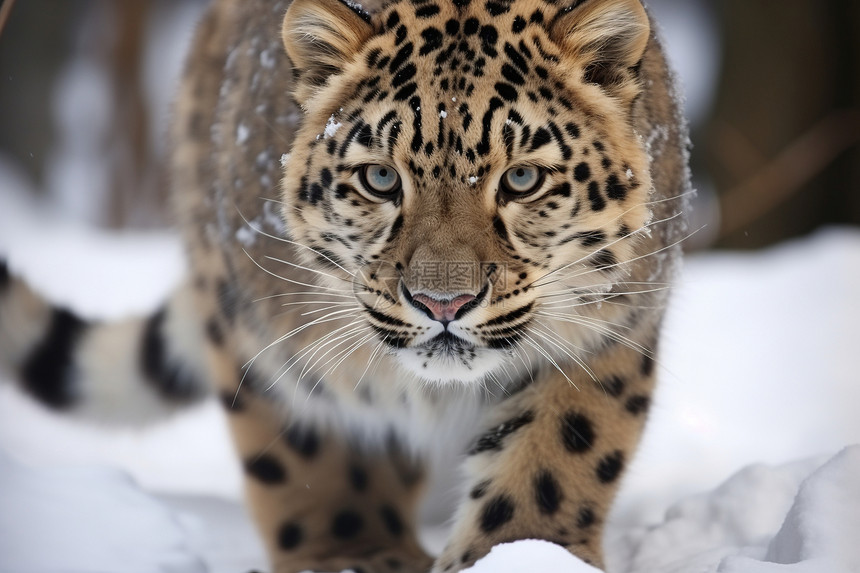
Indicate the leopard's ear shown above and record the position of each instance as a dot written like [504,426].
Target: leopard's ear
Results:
[320,37]
[606,37]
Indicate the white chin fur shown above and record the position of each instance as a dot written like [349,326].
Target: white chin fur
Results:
[447,369]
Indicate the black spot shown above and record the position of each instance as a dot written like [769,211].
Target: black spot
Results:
[496,513]
[304,441]
[5,277]
[610,467]
[615,189]
[48,372]
[483,146]
[266,469]
[358,478]
[289,536]
[462,3]
[171,379]
[500,228]
[480,490]
[471,26]
[325,176]
[231,401]
[363,137]
[547,493]
[577,433]
[582,172]
[452,27]
[427,11]
[493,439]
[393,20]
[647,367]
[507,91]
[433,39]
[638,404]
[497,8]
[214,332]
[563,189]
[516,58]
[598,203]
[489,36]
[403,93]
[417,133]
[519,25]
[590,238]
[392,520]
[614,386]
[604,259]
[316,193]
[396,226]
[346,524]
[401,56]
[540,138]
[405,74]
[512,75]
[372,57]
[586,518]
[400,35]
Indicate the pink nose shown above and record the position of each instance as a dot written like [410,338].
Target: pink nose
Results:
[443,310]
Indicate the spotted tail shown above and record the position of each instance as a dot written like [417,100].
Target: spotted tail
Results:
[131,371]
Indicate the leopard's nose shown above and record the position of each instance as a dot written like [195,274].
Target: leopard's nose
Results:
[443,310]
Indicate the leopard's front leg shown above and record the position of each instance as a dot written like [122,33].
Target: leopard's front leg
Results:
[321,500]
[548,465]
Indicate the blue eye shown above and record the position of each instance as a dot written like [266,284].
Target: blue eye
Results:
[522,180]
[380,180]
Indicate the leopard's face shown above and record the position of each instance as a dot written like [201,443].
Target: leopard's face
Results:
[470,178]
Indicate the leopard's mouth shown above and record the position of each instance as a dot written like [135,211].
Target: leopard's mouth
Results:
[447,343]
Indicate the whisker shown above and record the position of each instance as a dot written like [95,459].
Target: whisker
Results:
[618,240]
[294,243]
[554,340]
[608,332]
[277,276]
[283,294]
[640,257]
[304,268]
[546,355]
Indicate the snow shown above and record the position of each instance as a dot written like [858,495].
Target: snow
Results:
[530,555]
[242,134]
[331,127]
[86,519]
[800,517]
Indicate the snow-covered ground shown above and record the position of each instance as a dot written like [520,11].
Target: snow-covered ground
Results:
[758,371]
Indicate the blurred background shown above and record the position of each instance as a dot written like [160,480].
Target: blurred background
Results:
[773,99]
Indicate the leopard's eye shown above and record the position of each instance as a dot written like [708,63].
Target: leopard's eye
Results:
[523,180]
[380,180]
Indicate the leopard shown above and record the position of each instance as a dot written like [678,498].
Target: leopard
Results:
[415,229]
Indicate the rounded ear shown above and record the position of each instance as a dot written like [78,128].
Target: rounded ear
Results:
[320,37]
[608,37]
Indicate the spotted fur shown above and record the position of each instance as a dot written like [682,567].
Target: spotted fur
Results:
[357,333]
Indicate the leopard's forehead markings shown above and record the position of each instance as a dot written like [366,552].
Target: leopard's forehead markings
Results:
[457,67]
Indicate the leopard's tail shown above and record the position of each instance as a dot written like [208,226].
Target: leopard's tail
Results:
[130,372]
